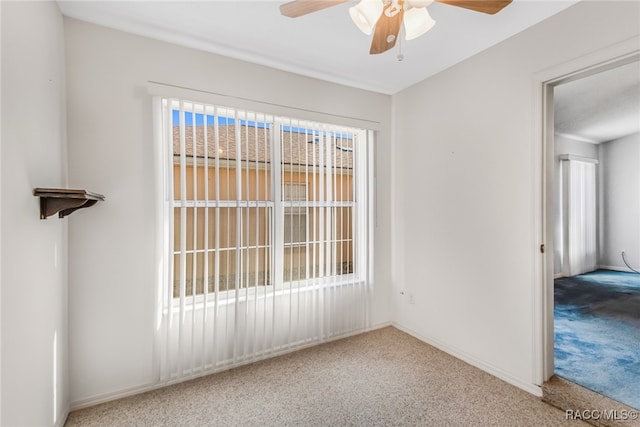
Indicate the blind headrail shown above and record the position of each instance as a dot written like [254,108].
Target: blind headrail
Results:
[199,95]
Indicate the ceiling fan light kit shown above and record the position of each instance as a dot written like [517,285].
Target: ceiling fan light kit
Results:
[417,21]
[384,18]
[365,14]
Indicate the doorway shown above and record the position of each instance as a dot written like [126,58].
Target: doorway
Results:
[593,222]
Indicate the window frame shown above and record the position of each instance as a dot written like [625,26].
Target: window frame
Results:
[302,210]
[277,205]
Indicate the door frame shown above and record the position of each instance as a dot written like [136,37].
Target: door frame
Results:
[544,82]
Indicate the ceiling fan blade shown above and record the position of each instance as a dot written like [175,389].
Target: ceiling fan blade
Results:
[485,6]
[387,28]
[296,8]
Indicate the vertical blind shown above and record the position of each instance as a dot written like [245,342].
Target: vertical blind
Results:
[579,216]
[267,241]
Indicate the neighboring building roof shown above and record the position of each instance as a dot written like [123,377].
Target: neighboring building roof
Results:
[300,148]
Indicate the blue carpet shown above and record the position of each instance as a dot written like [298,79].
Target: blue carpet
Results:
[597,333]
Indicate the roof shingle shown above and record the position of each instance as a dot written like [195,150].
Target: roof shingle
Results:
[298,148]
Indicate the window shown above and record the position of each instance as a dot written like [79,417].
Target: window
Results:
[295,215]
[222,201]
[258,198]
[266,235]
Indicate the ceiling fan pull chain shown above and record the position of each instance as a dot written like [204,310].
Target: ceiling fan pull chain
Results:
[400,55]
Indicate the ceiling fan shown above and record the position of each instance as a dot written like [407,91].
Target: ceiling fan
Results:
[387,16]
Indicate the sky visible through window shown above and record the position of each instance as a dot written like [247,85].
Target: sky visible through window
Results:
[221,120]
[211,120]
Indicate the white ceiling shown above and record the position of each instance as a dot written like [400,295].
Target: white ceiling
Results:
[599,108]
[324,45]
[328,46]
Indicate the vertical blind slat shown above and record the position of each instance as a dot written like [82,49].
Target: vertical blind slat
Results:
[205,270]
[183,238]
[168,288]
[289,143]
[216,239]
[194,256]
[238,248]
[309,259]
[276,224]
[256,261]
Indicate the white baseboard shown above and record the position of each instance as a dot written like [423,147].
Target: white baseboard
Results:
[380,326]
[63,418]
[119,394]
[615,268]
[115,395]
[496,372]
[599,267]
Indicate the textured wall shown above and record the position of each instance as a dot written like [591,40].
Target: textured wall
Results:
[465,247]
[111,152]
[34,252]
[620,201]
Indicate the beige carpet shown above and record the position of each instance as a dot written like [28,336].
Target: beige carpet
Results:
[381,378]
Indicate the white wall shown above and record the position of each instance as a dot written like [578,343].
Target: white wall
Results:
[111,303]
[620,199]
[565,145]
[466,249]
[34,252]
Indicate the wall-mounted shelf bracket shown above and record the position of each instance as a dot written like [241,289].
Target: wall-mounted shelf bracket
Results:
[64,201]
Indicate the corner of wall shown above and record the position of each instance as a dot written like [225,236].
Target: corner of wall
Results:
[33,307]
